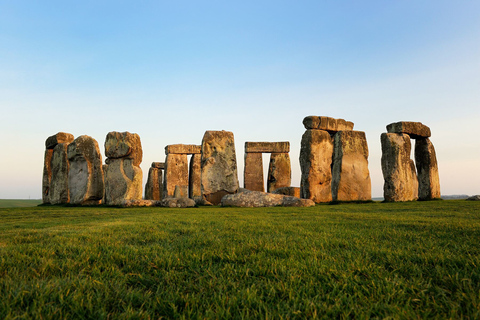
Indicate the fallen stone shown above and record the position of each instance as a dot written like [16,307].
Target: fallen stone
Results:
[248,199]
[177,203]
[288,191]
[253,172]
[219,166]
[474,198]
[154,185]
[279,171]
[176,173]
[350,174]
[414,129]
[267,147]
[140,203]
[315,163]
[398,169]
[124,145]
[85,176]
[326,123]
[183,149]
[61,137]
[427,170]
[59,192]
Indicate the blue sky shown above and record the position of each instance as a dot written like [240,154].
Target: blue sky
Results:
[170,70]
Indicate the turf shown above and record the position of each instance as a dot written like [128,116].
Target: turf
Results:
[374,260]
[18,203]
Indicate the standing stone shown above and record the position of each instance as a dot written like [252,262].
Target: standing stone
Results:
[176,173]
[123,176]
[253,172]
[50,143]
[154,186]
[279,171]
[398,169]
[85,177]
[315,162]
[195,177]
[350,174]
[59,183]
[219,166]
[427,169]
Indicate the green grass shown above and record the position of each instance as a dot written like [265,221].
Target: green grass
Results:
[375,260]
[18,203]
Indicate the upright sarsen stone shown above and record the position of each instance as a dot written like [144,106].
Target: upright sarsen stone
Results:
[279,171]
[219,166]
[176,173]
[59,192]
[427,170]
[154,185]
[253,172]
[195,177]
[315,163]
[350,174]
[398,169]
[85,177]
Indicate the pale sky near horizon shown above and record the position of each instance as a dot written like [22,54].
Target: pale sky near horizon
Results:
[170,70]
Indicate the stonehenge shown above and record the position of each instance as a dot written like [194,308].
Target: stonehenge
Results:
[333,163]
[405,179]
[279,170]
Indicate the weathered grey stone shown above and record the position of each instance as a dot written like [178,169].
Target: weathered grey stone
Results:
[350,174]
[176,173]
[262,199]
[124,145]
[427,170]
[195,177]
[219,165]
[326,123]
[85,176]
[59,182]
[267,147]
[154,186]
[180,192]
[279,171]
[61,137]
[123,181]
[315,163]
[47,176]
[158,165]
[183,149]
[288,191]
[140,203]
[177,203]
[413,129]
[253,172]
[398,169]
[474,198]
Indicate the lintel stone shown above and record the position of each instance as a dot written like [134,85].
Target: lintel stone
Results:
[267,147]
[183,149]
[158,165]
[414,129]
[326,123]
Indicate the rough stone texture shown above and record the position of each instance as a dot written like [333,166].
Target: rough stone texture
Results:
[315,163]
[219,166]
[398,169]
[253,172]
[326,123]
[262,199]
[288,191]
[154,185]
[61,137]
[124,145]
[85,176]
[195,177]
[59,183]
[414,129]
[158,165]
[474,198]
[350,174]
[180,192]
[183,149]
[267,147]
[123,176]
[140,203]
[279,171]
[427,170]
[47,176]
[176,173]
[177,203]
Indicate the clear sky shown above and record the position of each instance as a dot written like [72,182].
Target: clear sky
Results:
[170,70]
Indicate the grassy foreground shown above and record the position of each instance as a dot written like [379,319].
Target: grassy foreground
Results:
[376,260]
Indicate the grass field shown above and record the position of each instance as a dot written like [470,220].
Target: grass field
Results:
[375,260]
[18,203]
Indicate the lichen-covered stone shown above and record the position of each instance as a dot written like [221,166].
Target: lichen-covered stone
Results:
[176,173]
[253,172]
[279,171]
[315,163]
[327,124]
[123,181]
[249,199]
[219,166]
[427,170]
[158,165]
[154,185]
[85,176]
[288,191]
[413,129]
[267,147]
[398,169]
[350,174]
[177,203]
[61,137]
[124,145]
[195,177]
[59,192]
[183,149]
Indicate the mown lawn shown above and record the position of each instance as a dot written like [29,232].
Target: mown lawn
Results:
[376,260]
